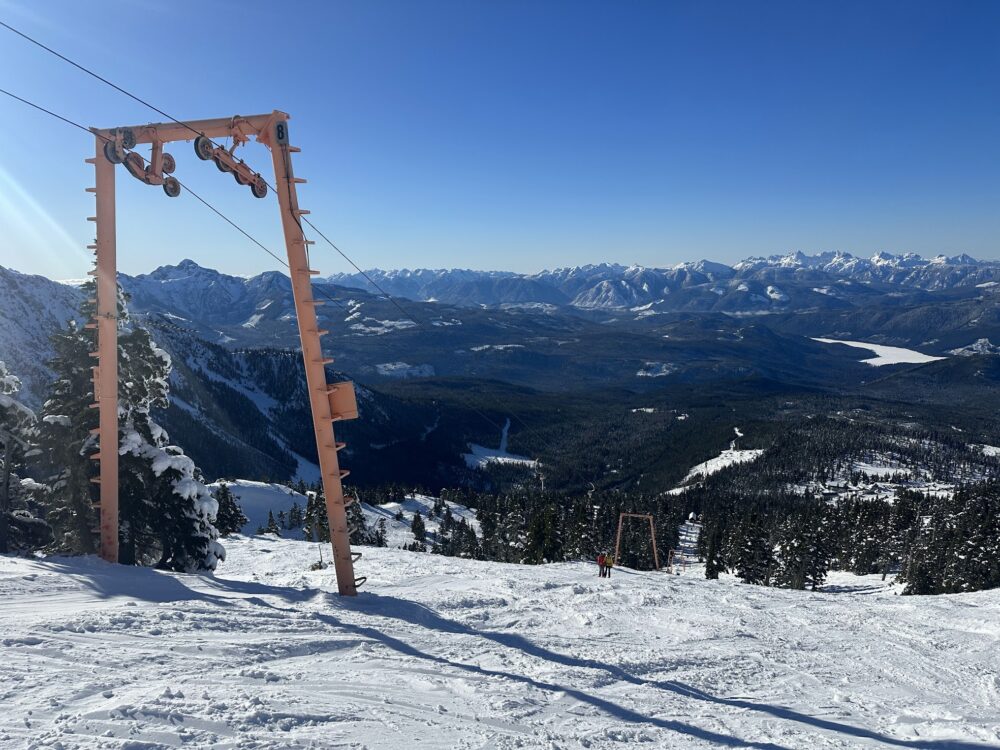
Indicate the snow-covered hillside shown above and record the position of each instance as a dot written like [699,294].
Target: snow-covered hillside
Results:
[261,499]
[448,653]
[31,309]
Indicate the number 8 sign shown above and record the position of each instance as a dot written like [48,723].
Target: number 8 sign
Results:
[281,133]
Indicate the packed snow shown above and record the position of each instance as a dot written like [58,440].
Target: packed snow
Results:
[440,652]
[885,355]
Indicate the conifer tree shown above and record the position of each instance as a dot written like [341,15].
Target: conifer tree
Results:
[166,512]
[295,516]
[418,528]
[65,443]
[272,525]
[315,523]
[230,519]
[19,528]
[356,524]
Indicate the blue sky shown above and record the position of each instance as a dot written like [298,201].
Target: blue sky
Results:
[522,134]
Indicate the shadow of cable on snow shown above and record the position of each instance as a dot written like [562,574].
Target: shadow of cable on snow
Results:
[417,614]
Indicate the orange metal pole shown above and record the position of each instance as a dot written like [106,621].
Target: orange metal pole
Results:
[106,384]
[312,354]
[618,537]
[652,535]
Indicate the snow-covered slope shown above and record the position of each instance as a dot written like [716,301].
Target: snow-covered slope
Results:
[31,309]
[448,653]
[259,499]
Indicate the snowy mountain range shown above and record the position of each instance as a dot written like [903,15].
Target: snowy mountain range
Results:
[750,285]
[563,335]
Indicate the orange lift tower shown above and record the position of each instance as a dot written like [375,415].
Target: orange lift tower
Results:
[329,402]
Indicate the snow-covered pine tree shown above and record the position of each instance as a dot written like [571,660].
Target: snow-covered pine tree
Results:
[356,524]
[64,439]
[272,525]
[166,512]
[511,533]
[418,528]
[315,523]
[295,516]
[380,537]
[20,530]
[230,518]
[754,552]
[579,535]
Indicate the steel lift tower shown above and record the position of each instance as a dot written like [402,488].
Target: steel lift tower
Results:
[329,402]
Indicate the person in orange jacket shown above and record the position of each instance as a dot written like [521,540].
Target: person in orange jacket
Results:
[600,565]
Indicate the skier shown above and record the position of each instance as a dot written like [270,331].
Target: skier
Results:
[607,566]
[600,565]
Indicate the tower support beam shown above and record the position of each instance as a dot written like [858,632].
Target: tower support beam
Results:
[106,382]
[322,397]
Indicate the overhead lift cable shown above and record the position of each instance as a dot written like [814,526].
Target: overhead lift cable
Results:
[316,288]
[173,119]
[208,205]
[390,298]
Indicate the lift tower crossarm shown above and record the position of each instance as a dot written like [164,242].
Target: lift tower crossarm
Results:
[237,127]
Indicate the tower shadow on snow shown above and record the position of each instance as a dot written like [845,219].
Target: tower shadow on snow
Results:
[418,614]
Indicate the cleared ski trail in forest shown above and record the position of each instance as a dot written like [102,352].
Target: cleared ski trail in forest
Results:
[686,554]
[448,653]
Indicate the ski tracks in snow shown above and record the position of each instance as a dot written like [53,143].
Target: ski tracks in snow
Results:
[447,653]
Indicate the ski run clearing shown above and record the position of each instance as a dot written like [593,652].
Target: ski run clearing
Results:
[480,456]
[729,457]
[886,355]
[441,652]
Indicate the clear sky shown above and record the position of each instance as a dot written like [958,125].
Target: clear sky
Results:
[521,134]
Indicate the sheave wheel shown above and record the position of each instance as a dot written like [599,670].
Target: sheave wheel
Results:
[168,164]
[135,165]
[258,187]
[203,148]
[171,187]
[112,154]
